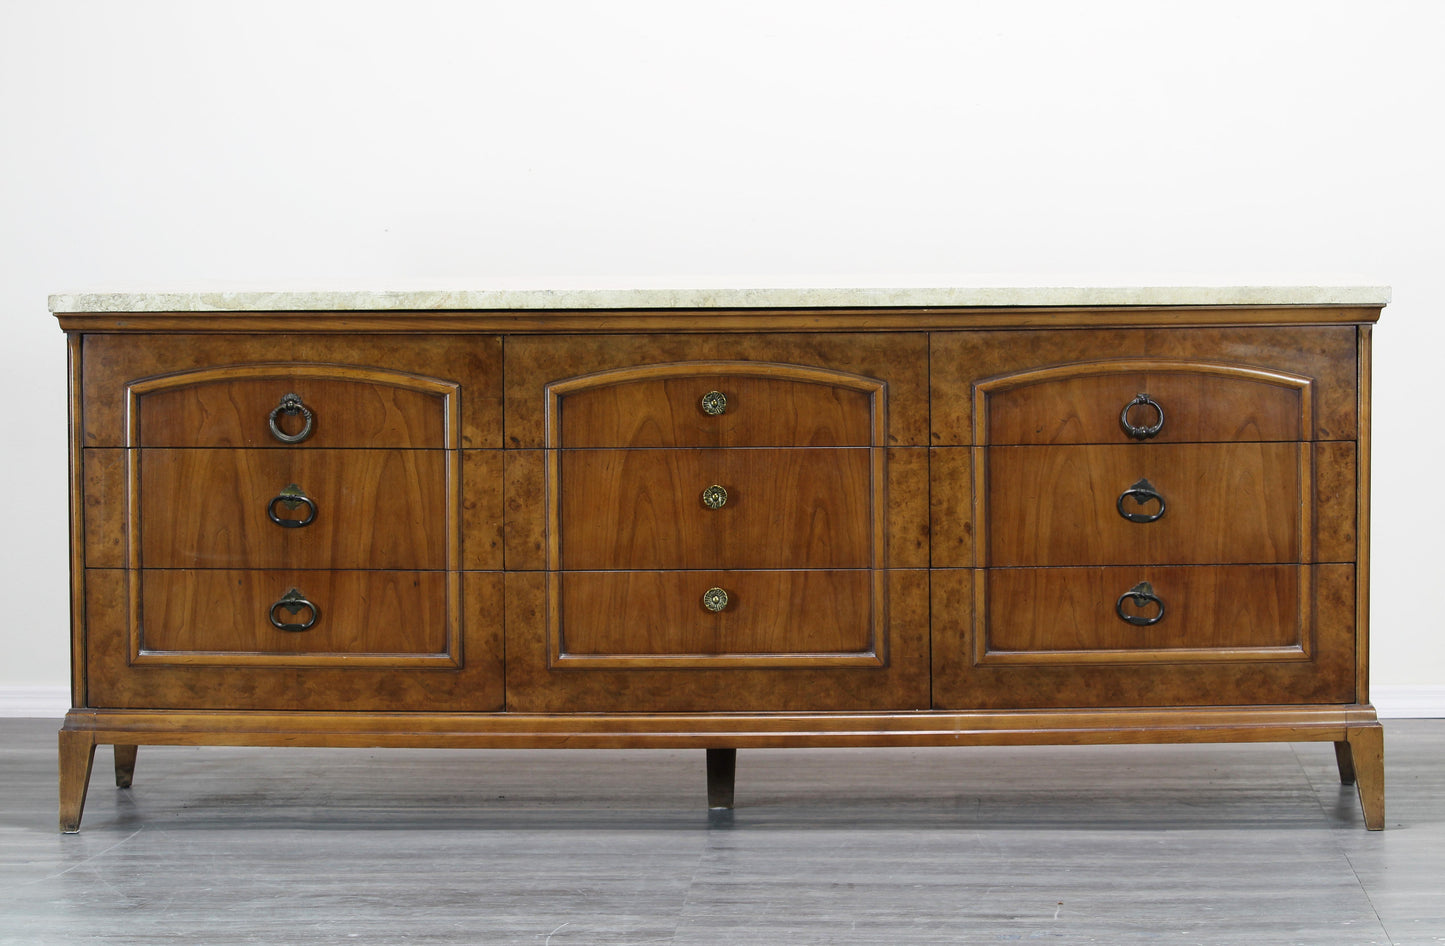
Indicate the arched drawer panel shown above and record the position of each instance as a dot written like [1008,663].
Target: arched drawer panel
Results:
[761,405]
[1097,402]
[333,406]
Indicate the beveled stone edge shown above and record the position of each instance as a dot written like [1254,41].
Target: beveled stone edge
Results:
[762,298]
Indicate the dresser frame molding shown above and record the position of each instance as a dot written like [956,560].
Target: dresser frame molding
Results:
[1353,727]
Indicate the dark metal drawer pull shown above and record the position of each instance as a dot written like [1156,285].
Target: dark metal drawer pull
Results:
[291,497]
[1142,433]
[1143,493]
[294,602]
[291,406]
[1143,595]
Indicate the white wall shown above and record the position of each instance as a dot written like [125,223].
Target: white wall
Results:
[158,145]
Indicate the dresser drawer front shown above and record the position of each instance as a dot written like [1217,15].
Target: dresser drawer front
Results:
[213,508]
[701,409]
[212,616]
[782,508]
[1202,613]
[291,408]
[1117,403]
[1214,503]
[762,618]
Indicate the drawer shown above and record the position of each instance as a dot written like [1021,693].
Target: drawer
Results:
[1116,403]
[1222,383]
[692,408]
[213,508]
[793,388]
[216,613]
[288,408]
[1128,612]
[625,618]
[780,508]
[1209,503]
[218,390]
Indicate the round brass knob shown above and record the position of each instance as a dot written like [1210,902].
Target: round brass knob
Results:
[715,599]
[714,497]
[714,403]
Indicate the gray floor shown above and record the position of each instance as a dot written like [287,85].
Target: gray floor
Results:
[1115,845]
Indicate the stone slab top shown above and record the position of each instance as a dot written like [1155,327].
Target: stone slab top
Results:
[611,299]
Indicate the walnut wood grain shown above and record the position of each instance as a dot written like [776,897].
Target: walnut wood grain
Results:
[899,360]
[789,618]
[118,678]
[473,362]
[226,407]
[1215,612]
[1059,505]
[960,682]
[767,405]
[1079,404]
[534,686]
[209,508]
[217,614]
[785,508]
[1324,354]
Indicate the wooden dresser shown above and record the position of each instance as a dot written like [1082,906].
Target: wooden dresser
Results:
[720,520]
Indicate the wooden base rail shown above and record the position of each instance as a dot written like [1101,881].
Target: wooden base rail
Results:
[1354,730]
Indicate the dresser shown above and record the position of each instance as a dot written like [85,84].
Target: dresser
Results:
[720,520]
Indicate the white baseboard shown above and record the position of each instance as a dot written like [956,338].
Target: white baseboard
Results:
[1407,702]
[44,702]
[1391,702]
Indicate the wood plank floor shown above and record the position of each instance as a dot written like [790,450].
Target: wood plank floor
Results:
[1244,844]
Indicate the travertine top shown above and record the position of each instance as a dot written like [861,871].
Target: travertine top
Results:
[777,298]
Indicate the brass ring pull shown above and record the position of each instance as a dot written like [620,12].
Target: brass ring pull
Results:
[715,599]
[714,497]
[714,403]
[294,602]
[1142,433]
[291,497]
[1143,493]
[1143,595]
[291,406]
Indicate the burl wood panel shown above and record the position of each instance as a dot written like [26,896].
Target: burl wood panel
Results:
[110,362]
[768,613]
[533,686]
[1325,354]
[1328,676]
[899,359]
[206,508]
[1196,408]
[1034,610]
[785,508]
[1221,503]
[761,412]
[115,682]
[357,612]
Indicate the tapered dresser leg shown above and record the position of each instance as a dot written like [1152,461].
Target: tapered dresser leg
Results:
[1367,754]
[77,755]
[722,766]
[1345,762]
[125,765]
